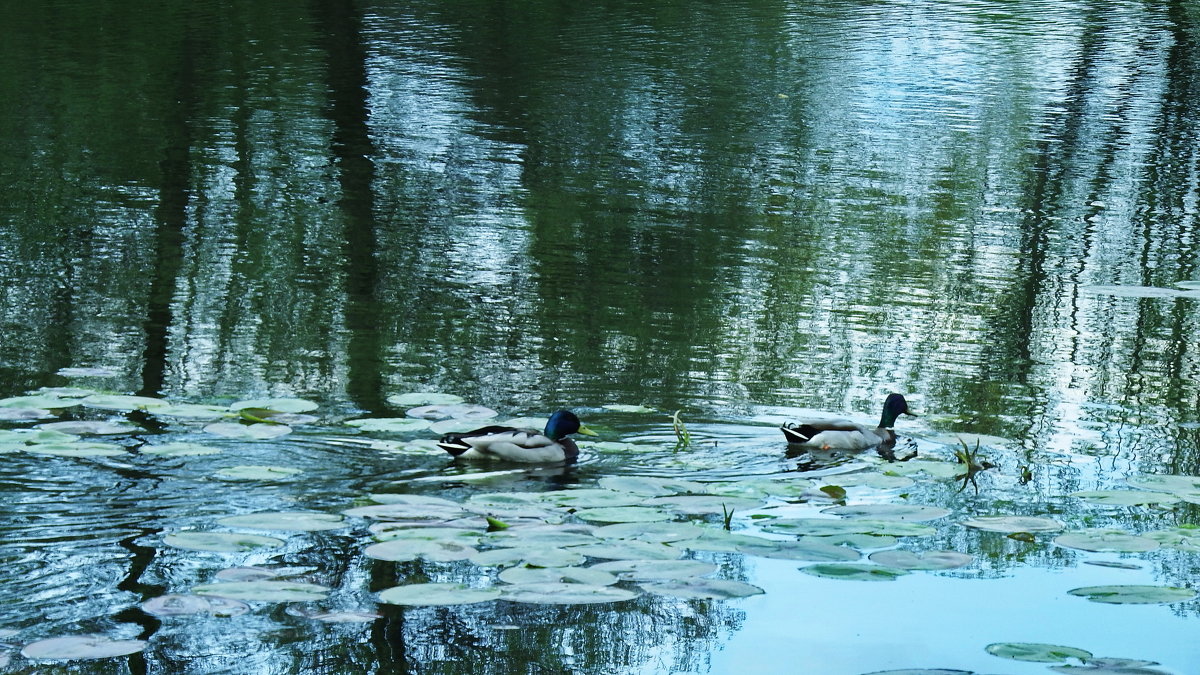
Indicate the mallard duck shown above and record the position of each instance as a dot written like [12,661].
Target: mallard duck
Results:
[847,435]
[520,445]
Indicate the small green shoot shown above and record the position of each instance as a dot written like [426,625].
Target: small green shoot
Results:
[495,525]
[684,439]
[973,463]
[728,516]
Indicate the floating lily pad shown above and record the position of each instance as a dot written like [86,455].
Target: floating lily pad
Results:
[458,411]
[932,468]
[656,570]
[1165,483]
[191,411]
[515,537]
[803,549]
[78,449]
[184,605]
[550,593]
[86,371]
[1182,538]
[259,431]
[857,541]
[283,405]
[854,571]
[72,647]
[909,512]
[257,472]
[35,436]
[702,589]
[1132,291]
[423,595]
[650,486]
[654,532]
[1105,540]
[222,542]
[922,671]
[627,408]
[696,505]
[400,498]
[91,427]
[453,426]
[628,549]
[1125,497]
[414,399]
[622,514]
[879,481]
[573,575]
[1113,564]
[125,403]
[588,498]
[837,526]
[23,414]
[403,550]
[720,541]
[537,556]
[921,560]
[265,591]
[43,401]
[614,447]
[178,450]
[1111,666]
[260,573]
[1014,524]
[298,521]
[1036,651]
[336,616]
[400,512]
[396,425]
[1134,594]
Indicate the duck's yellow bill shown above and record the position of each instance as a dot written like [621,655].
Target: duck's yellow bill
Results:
[586,431]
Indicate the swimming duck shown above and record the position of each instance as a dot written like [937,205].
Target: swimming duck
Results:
[847,435]
[520,445]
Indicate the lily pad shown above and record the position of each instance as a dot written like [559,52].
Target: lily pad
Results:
[1165,483]
[537,556]
[23,414]
[721,541]
[43,401]
[90,371]
[293,521]
[257,472]
[260,573]
[1036,651]
[403,550]
[1182,538]
[91,427]
[1134,594]
[1112,666]
[414,399]
[178,450]
[909,512]
[921,560]
[1132,291]
[622,514]
[265,591]
[425,595]
[656,570]
[854,571]
[259,431]
[396,425]
[1106,540]
[1125,497]
[837,526]
[221,542]
[77,449]
[402,512]
[696,505]
[337,616]
[879,481]
[400,498]
[458,411]
[810,549]
[573,575]
[191,411]
[1014,524]
[124,403]
[588,498]
[550,593]
[35,436]
[283,405]
[702,589]
[522,536]
[654,532]
[628,549]
[933,469]
[856,541]
[453,426]
[72,647]
[184,605]
[650,486]
[627,408]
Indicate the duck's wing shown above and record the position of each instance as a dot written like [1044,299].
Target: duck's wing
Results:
[457,444]
[508,444]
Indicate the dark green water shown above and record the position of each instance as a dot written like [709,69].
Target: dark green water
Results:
[745,210]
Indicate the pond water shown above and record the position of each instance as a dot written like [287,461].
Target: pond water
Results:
[750,212]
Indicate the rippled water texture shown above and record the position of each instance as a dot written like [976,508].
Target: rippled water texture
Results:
[748,211]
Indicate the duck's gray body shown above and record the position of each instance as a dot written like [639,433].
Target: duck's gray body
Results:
[519,445]
[846,435]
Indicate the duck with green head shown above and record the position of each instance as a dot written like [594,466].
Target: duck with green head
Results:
[520,445]
[847,435]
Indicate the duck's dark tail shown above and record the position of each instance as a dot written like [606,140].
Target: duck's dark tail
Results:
[454,445]
[799,433]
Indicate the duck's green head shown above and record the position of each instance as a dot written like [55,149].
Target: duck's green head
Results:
[564,423]
[893,407]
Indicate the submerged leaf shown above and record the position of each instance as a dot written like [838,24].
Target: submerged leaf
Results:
[1105,540]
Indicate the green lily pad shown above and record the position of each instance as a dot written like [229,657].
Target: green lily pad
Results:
[293,521]
[396,425]
[838,526]
[589,498]
[1125,497]
[178,450]
[854,571]
[529,555]
[627,408]
[655,570]
[1112,666]
[24,414]
[428,595]
[404,530]
[697,505]
[879,481]
[615,447]
[265,591]
[71,647]
[400,498]
[221,542]
[257,472]
[124,403]
[721,541]
[921,560]
[702,589]
[399,512]
[1165,483]
[283,405]
[191,411]
[1132,291]
[43,401]
[260,573]
[931,468]
[622,514]
[1106,540]
[856,541]
[1036,651]
[523,536]
[802,549]
[1134,594]
[550,593]
[403,550]
[573,575]
[185,605]
[91,427]
[629,549]
[909,512]
[1183,538]
[1014,524]
[660,532]
[650,486]
[78,449]
[415,399]
[35,436]
[453,426]
[259,431]
[458,411]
